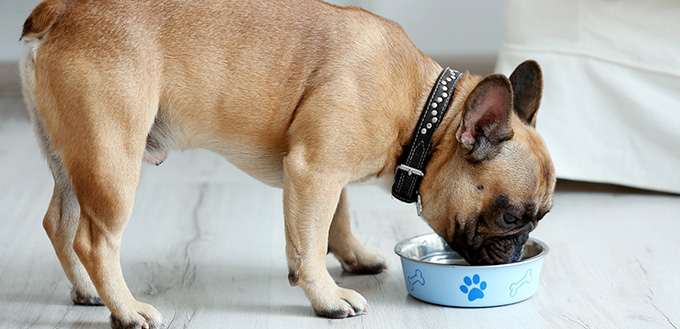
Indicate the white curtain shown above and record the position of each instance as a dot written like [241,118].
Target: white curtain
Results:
[611,99]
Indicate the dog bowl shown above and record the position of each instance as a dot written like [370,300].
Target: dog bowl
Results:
[435,274]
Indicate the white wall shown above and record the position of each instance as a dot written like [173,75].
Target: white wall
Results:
[13,13]
[445,28]
[440,28]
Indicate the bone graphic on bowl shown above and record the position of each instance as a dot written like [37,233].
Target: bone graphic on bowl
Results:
[416,278]
[516,285]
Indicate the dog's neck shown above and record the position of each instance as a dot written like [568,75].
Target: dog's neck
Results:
[444,142]
[446,133]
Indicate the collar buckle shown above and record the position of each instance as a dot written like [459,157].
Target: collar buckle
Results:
[410,170]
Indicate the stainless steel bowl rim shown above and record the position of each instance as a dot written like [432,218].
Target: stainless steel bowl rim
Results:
[400,246]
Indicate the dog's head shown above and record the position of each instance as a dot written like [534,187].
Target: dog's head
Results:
[490,179]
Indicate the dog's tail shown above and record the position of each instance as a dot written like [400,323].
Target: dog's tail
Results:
[44,16]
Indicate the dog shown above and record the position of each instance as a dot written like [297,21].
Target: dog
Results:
[301,95]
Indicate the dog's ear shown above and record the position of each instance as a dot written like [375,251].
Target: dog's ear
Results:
[486,118]
[527,86]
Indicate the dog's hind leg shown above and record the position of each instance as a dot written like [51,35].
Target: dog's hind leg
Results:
[98,126]
[60,223]
[61,220]
[104,170]
[353,256]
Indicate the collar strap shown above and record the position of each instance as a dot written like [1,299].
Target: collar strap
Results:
[411,169]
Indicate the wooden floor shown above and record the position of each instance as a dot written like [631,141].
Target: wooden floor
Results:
[205,245]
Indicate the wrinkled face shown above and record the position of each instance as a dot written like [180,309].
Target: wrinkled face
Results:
[485,210]
[488,194]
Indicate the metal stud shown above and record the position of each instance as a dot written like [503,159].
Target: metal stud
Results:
[443,82]
[439,99]
[445,95]
[423,131]
[445,88]
[434,113]
[448,79]
[429,125]
[434,120]
[434,105]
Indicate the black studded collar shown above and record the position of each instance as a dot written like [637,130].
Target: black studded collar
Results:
[410,171]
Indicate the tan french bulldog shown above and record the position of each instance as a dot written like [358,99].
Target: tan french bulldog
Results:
[301,95]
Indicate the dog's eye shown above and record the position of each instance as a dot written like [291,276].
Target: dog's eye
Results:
[510,219]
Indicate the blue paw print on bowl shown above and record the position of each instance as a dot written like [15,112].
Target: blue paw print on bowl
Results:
[473,288]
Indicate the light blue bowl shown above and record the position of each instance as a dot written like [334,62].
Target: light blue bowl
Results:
[435,274]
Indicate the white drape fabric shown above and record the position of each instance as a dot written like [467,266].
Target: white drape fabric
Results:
[611,99]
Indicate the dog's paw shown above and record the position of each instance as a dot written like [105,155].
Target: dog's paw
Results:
[339,303]
[146,317]
[83,298]
[363,261]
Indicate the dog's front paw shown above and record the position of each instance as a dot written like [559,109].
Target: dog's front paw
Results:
[339,303]
[363,260]
[146,317]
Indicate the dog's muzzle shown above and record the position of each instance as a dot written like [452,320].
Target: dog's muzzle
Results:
[497,250]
